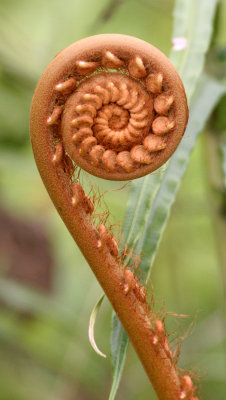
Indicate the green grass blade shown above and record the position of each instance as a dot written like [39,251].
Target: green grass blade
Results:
[119,344]
[137,211]
[193,20]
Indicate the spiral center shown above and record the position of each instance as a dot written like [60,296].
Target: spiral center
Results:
[109,110]
[119,116]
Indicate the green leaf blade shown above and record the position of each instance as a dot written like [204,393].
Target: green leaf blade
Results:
[119,345]
[193,20]
[141,197]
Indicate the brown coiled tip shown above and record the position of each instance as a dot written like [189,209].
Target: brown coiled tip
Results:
[125,161]
[96,154]
[163,103]
[154,143]
[66,87]
[81,134]
[154,82]
[87,145]
[110,60]
[86,67]
[136,68]
[141,155]
[115,103]
[162,125]
[53,119]
[109,160]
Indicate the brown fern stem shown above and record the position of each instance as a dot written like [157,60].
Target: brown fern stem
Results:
[115,106]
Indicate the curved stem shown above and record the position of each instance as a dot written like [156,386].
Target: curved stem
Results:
[108,271]
[99,247]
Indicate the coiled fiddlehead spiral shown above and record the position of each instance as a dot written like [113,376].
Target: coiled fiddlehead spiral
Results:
[119,113]
[114,106]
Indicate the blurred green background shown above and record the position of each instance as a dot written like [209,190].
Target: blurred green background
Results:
[47,290]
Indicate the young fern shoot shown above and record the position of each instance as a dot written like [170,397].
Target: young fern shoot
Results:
[114,106]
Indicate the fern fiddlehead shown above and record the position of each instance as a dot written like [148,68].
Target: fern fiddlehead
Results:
[114,106]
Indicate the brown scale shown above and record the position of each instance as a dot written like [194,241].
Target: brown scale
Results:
[85,67]
[160,337]
[54,117]
[187,388]
[154,82]
[66,87]
[132,285]
[163,103]
[136,67]
[162,125]
[79,197]
[87,145]
[125,161]
[108,240]
[109,160]
[59,153]
[110,60]
[154,143]
[141,155]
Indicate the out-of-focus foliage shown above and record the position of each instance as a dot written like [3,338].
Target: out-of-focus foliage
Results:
[44,346]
